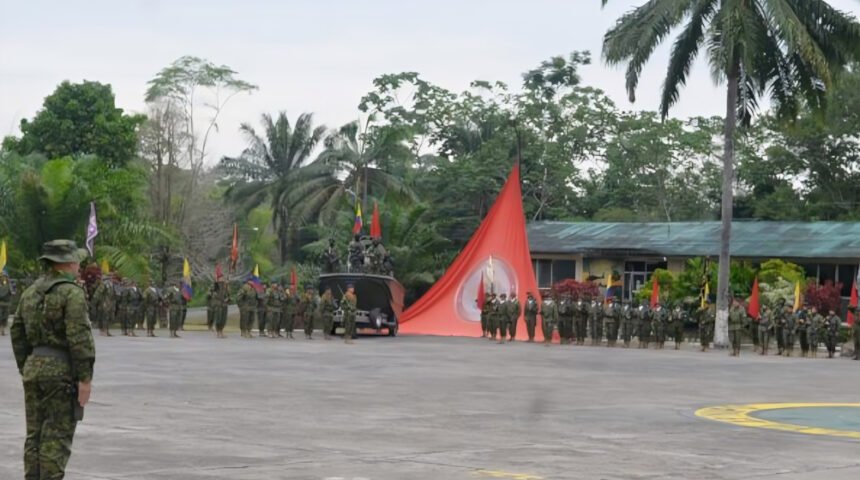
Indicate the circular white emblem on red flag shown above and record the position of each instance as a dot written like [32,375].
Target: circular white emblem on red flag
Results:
[498,278]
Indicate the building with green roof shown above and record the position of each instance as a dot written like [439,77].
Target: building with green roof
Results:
[582,250]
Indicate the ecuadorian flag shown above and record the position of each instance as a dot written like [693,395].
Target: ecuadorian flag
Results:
[255,279]
[187,291]
[356,228]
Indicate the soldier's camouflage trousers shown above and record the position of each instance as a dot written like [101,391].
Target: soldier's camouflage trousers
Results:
[565,328]
[485,327]
[210,317]
[4,316]
[547,331]
[175,319]
[273,320]
[531,322]
[246,320]
[611,331]
[501,325]
[735,339]
[328,323]
[512,327]
[779,333]
[626,331]
[151,318]
[596,331]
[261,320]
[50,428]
[309,324]
[580,326]
[220,317]
[804,341]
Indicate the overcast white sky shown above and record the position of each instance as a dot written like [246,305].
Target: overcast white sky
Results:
[312,55]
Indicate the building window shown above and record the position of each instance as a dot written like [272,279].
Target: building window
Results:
[549,272]
[845,275]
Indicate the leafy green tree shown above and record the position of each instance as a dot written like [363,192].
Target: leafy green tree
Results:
[278,167]
[789,50]
[77,119]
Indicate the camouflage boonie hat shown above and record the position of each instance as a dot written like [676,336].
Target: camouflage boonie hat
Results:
[62,251]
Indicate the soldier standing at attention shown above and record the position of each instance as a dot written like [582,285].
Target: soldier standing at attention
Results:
[173,299]
[356,255]
[626,323]
[122,307]
[490,308]
[485,315]
[513,310]
[290,304]
[611,317]
[349,306]
[706,324]
[595,319]
[737,319]
[274,307]
[765,326]
[135,301]
[659,322]
[327,309]
[5,301]
[816,332]
[211,305]
[779,325]
[261,311]
[801,326]
[580,319]
[855,331]
[222,304]
[151,301]
[679,318]
[530,312]
[831,332]
[644,318]
[55,352]
[500,315]
[549,317]
[308,310]
[105,305]
[565,318]
[246,299]
[790,330]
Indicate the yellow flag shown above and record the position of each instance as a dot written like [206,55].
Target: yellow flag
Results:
[257,271]
[798,302]
[186,270]
[705,294]
[2,255]
[105,266]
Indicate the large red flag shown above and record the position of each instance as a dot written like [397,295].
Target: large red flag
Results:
[853,303]
[655,291]
[448,308]
[234,249]
[375,226]
[754,308]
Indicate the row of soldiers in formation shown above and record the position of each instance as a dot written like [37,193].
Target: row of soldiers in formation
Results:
[275,308]
[576,319]
[116,300]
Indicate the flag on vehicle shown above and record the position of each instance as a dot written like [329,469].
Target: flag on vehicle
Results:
[92,229]
[375,226]
[187,291]
[356,227]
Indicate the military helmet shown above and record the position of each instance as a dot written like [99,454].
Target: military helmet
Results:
[62,251]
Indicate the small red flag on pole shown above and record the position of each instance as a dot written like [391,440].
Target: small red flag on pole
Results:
[655,291]
[293,280]
[218,272]
[234,249]
[375,226]
[754,309]
[853,303]
[481,294]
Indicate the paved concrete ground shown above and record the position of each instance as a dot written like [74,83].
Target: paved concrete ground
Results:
[433,408]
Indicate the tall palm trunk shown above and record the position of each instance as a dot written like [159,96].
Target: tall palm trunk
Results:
[721,331]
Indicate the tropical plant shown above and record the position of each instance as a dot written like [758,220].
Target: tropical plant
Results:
[789,50]
[277,167]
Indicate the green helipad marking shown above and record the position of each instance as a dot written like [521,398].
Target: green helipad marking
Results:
[837,418]
[831,419]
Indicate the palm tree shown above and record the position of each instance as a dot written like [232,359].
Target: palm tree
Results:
[278,167]
[788,50]
[365,158]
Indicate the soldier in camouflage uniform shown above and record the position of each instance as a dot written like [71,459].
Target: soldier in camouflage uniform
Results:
[611,319]
[5,301]
[261,310]
[513,311]
[565,319]
[349,307]
[643,317]
[549,317]
[150,309]
[274,309]
[737,323]
[779,325]
[211,305]
[530,312]
[765,327]
[831,332]
[706,319]
[173,299]
[485,315]
[327,308]
[500,317]
[490,308]
[55,352]
[595,321]
[580,319]
[308,309]
[627,328]
[803,318]
[222,304]
[789,330]
[816,332]
[105,305]
[679,318]
[124,309]
[246,299]
[659,323]
[290,303]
